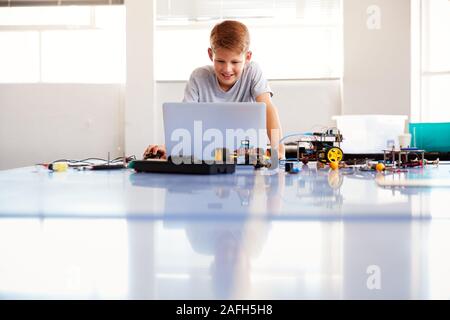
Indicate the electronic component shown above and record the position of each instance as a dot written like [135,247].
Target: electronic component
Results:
[323,147]
[106,167]
[290,167]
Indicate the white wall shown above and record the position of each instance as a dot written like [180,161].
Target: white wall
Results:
[376,61]
[140,117]
[45,122]
[303,105]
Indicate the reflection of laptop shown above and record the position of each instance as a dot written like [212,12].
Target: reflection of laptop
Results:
[198,129]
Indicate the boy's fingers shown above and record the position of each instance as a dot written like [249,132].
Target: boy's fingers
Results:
[148,151]
[154,149]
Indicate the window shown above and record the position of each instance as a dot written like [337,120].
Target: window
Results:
[433,70]
[70,44]
[290,39]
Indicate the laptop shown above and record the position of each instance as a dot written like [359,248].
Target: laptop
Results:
[195,132]
[199,129]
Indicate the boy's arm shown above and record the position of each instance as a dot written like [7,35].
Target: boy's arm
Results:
[191,92]
[272,123]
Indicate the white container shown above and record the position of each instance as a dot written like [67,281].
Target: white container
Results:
[370,133]
[404,140]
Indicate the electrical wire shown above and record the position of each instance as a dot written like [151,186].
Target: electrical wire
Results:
[90,161]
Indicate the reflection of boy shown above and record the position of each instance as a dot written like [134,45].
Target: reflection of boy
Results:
[232,246]
[231,78]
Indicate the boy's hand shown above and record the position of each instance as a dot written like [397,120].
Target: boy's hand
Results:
[155,152]
[281,151]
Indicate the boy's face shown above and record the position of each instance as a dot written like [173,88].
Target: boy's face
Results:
[228,65]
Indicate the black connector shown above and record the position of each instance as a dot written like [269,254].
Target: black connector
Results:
[107,167]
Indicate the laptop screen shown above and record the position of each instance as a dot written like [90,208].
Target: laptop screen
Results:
[199,129]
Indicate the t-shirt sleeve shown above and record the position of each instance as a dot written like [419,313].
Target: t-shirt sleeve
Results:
[260,84]
[191,91]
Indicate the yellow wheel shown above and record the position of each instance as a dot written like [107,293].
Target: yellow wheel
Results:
[335,154]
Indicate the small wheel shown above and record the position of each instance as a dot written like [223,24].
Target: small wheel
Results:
[321,157]
[335,154]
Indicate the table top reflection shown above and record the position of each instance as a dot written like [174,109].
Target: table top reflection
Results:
[261,194]
[256,259]
[263,234]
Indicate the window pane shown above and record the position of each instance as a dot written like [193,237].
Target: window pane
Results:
[290,39]
[93,56]
[110,18]
[217,9]
[316,11]
[436,98]
[35,16]
[301,52]
[178,52]
[435,51]
[436,35]
[19,57]
[307,52]
[57,52]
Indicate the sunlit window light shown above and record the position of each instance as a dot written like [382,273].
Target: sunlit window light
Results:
[67,44]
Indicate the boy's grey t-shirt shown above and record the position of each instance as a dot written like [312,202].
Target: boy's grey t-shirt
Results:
[203,86]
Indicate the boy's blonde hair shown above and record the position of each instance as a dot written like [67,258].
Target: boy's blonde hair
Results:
[231,35]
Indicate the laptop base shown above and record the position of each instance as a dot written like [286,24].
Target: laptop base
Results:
[164,166]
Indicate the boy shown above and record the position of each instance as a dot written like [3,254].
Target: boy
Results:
[231,78]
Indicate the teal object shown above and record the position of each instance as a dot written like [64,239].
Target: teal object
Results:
[431,137]
[131,165]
